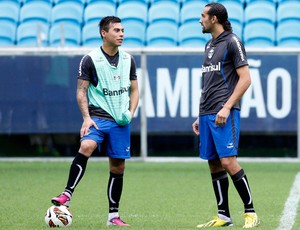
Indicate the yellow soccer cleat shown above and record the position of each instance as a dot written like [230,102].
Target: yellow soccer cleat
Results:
[216,222]
[251,220]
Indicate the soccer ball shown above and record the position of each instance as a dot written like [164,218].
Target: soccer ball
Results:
[58,216]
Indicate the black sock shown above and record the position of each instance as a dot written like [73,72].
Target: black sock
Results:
[114,191]
[77,170]
[221,184]
[242,186]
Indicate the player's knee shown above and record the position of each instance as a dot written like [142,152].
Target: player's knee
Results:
[226,165]
[87,148]
[117,166]
[118,170]
[230,164]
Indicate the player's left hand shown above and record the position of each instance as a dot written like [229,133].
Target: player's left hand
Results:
[222,116]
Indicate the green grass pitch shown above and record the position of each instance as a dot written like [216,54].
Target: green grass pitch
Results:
[156,196]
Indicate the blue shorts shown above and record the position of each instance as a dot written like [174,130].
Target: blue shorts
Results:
[117,138]
[216,141]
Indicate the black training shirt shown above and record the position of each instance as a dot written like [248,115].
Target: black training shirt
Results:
[222,57]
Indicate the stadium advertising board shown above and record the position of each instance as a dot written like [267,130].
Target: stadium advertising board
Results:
[38,94]
[174,88]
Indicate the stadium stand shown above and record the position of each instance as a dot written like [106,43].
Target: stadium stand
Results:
[237,28]
[33,33]
[260,10]
[235,11]
[288,10]
[162,34]
[90,34]
[65,35]
[9,19]
[164,11]
[7,34]
[97,10]
[286,35]
[240,2]
[66,24]
[189,35]
[259,34]
[70,12]
[18,2]
[113,2]
[133,10]
[158,1]
[36,11]
[202,1]
[50,2]
[86,13]
[191,11]
[272,1]
[9,11]
[134,34]
[146,2]
[288,24]
[81,2]
[134,15]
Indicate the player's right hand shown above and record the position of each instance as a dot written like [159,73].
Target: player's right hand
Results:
[87,123]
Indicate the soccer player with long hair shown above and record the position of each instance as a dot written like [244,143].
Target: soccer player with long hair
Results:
[225,78]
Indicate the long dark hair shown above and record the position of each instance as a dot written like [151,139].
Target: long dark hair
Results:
[220,12]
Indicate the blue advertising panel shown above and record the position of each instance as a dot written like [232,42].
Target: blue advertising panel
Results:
[270,104]
[37,94]
[174,87]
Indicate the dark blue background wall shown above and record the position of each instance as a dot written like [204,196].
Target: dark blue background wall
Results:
[37,94]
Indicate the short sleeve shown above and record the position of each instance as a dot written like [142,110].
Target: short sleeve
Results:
[86,67]
[133,75]
[237,51]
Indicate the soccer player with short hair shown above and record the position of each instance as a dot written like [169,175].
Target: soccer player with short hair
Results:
[225,78]
[107,96]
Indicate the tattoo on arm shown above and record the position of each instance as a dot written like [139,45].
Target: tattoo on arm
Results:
[82,85]
[82,99]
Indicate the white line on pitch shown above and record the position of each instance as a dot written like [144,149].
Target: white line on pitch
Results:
[291,205]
